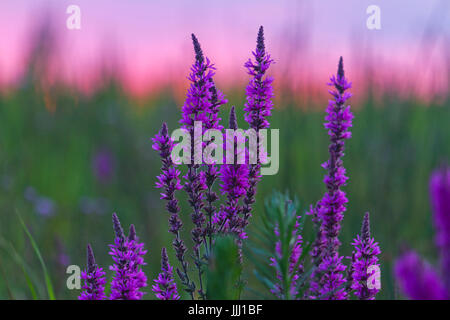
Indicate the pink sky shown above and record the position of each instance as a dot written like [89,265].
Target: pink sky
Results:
[149,41]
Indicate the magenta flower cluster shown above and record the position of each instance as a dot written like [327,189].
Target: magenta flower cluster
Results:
[416,277]
[165,287]
[94,279]
[129,278]
[365,264]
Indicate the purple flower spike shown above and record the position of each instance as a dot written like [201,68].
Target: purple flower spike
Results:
[339,120]
[259,90]
[127,255]
[137,261]
[364,256]
[332,206]
[165,287]
[198,101]
[169,179]
[94,279]
[234,179]
[417,278]
[257,109]
[440,200]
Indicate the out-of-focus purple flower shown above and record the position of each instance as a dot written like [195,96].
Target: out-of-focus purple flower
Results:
[44,206]
[333,205]
[364,256]
[94,279]
[103,164]
[127,255]
[417,278]
[440,200]
[165,287]
[295,267]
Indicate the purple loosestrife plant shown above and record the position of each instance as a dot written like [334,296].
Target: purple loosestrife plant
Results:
[333,205]
[169,181]
[94,279]
[257,109]
[127,260]
[364,256]
[417,278]
[440,201]
[165,287]
[202,105]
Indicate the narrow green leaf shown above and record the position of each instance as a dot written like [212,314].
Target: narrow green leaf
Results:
[48,282]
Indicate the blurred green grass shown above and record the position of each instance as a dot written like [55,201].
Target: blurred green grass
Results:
[395,145]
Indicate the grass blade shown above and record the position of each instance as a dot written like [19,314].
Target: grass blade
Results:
[48,282]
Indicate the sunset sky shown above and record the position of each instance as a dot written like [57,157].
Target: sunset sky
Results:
[148,41]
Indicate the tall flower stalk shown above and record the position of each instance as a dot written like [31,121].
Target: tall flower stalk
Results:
[332,206]
[165,287]
[169,181]
[257,109]
[94,279]
[364,259]
[197,108]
